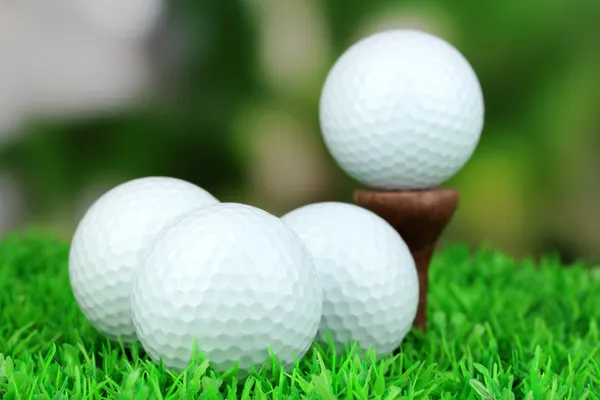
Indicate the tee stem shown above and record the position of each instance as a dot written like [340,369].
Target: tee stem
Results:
[420,217]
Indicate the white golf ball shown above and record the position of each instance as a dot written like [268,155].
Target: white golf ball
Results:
[230,281]
[369,277]
[110,241]
[401,110]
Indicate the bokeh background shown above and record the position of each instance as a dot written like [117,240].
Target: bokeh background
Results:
[224,93]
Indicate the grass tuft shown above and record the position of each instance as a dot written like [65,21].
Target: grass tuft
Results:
[497,330]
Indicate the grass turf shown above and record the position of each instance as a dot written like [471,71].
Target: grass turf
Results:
[497,330]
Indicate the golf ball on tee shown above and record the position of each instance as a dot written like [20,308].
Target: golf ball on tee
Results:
[110,240]
[401,110]
[230,281]
[369,278]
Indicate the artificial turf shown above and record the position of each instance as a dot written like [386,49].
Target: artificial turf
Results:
[497,330]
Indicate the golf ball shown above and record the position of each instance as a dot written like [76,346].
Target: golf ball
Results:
[368,275]
[232,282]
[110,240]
[401,110]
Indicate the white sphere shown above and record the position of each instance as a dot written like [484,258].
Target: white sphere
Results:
[401,110]
[369,278]
[110,241]
[232,282]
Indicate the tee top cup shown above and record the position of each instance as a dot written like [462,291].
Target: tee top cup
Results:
[401,112]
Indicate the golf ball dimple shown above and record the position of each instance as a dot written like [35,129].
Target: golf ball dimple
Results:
[230,281]
[369,278]
[401,110]
[111,239]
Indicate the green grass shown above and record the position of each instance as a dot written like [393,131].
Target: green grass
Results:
[497,330]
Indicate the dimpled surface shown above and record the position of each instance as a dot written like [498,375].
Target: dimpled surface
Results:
[369,278]
[401,110]
[110,240]
[232,280]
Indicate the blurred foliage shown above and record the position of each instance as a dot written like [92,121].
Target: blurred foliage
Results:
[529,187]
[183,133]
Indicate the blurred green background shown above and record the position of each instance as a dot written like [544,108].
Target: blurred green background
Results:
[229,100]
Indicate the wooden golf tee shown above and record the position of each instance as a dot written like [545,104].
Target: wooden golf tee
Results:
[420,217]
